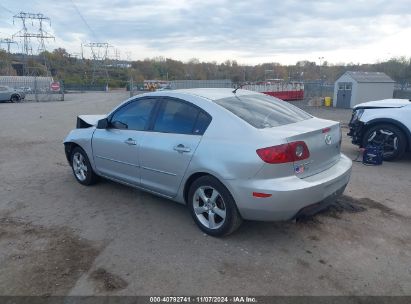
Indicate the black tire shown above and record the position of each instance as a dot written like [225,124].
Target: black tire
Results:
[15,98]
[392,139]
[223,202]
[88,177]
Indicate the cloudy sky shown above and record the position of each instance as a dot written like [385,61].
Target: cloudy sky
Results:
[251,32]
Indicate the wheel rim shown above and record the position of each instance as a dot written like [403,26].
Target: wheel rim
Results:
[79,166]
[209,207]
[385,138]
[14,98]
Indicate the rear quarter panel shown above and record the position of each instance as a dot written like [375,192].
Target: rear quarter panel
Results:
[227,150]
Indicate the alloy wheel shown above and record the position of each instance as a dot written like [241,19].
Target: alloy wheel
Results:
[385,138]
[79,166]
[209,207]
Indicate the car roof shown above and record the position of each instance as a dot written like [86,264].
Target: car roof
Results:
[214,93]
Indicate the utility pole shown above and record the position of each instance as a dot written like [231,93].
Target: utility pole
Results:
[321,77]
[131,86]
[117,55]
[41,35]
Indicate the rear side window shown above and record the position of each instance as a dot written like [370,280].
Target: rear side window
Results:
[263,111]
[203,120]
[180,117]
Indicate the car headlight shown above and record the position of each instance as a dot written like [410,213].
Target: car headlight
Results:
[357,114]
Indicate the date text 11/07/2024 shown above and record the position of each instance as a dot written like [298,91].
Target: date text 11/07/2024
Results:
[203,299]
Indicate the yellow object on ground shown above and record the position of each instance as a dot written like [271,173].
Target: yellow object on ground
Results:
[327,101]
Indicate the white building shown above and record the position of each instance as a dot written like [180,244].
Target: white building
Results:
[353,88]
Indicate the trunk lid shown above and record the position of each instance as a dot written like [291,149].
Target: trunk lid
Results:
[323,139]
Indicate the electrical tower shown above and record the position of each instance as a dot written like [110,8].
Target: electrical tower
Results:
[37,20]
[9,42]
[99,52]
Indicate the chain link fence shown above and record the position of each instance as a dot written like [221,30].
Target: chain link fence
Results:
[153,85]
[190,84]
[313,89]
[75,87]
[403,93]
[317,89]
[34,88]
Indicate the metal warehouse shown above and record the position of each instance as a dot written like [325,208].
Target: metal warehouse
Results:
[353,88]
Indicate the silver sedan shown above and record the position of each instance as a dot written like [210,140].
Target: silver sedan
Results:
[228,155]
[10,94]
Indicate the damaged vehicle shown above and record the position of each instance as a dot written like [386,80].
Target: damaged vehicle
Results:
[228,155]
[385,123]
[10,94]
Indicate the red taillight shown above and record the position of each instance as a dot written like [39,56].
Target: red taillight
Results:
[276,154]
[299,150]
[286,153]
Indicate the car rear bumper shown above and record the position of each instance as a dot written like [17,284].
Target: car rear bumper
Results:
[291,194]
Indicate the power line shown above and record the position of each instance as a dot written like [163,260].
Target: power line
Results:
[5,8]
[82,18]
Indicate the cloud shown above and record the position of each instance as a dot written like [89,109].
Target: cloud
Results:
[250,30]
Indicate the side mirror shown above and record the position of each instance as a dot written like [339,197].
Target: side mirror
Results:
[102,123]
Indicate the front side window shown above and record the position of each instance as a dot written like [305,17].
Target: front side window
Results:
[133,116]
[263,111]
[180,117]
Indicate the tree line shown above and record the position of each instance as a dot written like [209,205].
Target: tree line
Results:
[63,66]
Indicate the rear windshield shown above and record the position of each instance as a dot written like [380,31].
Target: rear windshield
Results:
[263,111]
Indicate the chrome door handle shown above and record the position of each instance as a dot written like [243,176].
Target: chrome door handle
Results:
[130,142]
[181,148]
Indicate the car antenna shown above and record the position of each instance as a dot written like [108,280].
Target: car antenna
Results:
[238,87]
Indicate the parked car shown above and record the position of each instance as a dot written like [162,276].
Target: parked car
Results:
[228,155]
[385,123]
[26,90]
[164,88]
[10,94]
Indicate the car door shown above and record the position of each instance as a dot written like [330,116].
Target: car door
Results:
[116,148]
[166,151]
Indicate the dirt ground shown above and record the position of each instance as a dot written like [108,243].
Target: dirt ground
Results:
[60,238]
